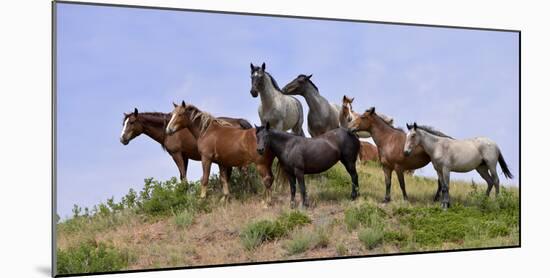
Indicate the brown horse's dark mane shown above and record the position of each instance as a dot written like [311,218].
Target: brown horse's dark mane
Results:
[157,119]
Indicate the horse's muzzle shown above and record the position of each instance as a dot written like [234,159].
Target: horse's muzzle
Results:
[254,93]
[407,152]
[260,151]
[124,141]
[169,131]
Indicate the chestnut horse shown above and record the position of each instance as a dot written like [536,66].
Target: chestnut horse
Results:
[219,142]
[390,142]
[368,152]
[181,145]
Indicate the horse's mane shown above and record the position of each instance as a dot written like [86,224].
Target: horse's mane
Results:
[273,81]
[158,118]
[205,118]
[310,82]
[387,124]
[433,131]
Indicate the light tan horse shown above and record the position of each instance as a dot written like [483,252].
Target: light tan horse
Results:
[223,144]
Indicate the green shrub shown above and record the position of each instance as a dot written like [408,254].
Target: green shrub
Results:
[365,215]
[161,198]
[257,232]
[341,249]
[183,219]
[371,237]
[90,256]
[299,243]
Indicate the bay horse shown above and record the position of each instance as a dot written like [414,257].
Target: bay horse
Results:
[281,111]
[390,142]
[452,155]
[347,115]
[299,156]
[181,146]
[322,115]
[219,142]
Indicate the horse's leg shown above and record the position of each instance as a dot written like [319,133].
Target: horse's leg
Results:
[494,176]
[445,178]
[483,171]
[401,179]
[292,183]
[267,179]
[180,163]
[387,178]
[302,183]
[352,171]
[224,173]
[185,166]
[438,193]
[206,163]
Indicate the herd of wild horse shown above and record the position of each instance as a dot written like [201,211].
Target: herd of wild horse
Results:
[190,133]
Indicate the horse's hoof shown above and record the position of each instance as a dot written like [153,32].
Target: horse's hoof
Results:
[292,204]
[354,195]
[445,205]
[436,198]
[386,200]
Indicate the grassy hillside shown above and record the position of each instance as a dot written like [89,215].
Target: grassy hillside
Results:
[166,225]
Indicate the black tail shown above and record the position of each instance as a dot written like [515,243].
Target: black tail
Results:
[244,124]
[504,166]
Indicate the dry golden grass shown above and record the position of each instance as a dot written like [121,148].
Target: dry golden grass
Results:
[213,238]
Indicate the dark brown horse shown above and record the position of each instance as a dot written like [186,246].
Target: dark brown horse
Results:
[181,145]
[299,156]
[219,142]
[390,142]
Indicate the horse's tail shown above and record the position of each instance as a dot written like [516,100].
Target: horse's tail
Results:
[504,166]
[245,124]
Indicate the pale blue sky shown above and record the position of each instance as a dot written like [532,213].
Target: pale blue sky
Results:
[111,59]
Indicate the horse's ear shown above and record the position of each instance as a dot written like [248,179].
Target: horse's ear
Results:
[135,112]
[183,103]
[371,110]
[267,126]
[263,66]
[251,68]
[344,98]
[175,105]
[351,99]
[409,126]
[415,126]
[309,76]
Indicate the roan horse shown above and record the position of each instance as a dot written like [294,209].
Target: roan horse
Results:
[322,115]
[347,115]
[390,142]
[299,155]
[452,155]
[282,112]
[223,144]
[181,145]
